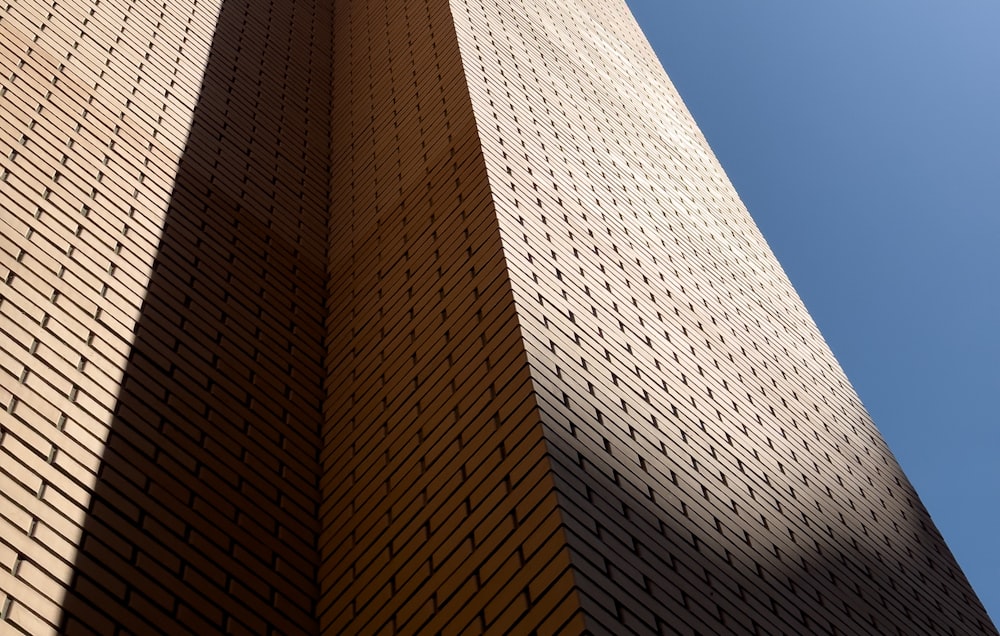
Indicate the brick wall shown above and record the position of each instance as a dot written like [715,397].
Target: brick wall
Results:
[163,238]
[438,504]
[716,471]
[412,317]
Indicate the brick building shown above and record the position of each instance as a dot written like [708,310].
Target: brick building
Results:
[412,316]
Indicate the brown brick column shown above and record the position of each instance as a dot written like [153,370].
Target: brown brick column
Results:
[438,505]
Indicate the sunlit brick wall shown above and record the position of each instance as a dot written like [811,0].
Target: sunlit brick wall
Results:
[95,104]
[716,471]
[415,316]
[163,248]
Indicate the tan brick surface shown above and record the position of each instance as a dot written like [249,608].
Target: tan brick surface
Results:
[116,234]
[412,316]
[686,395]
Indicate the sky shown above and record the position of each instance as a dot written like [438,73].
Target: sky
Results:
[864,137]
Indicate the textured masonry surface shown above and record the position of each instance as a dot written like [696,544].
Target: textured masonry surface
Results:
[412,316]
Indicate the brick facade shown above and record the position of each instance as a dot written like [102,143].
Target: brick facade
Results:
[412,317]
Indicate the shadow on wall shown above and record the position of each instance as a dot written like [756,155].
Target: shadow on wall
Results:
[203,519]
[650,554]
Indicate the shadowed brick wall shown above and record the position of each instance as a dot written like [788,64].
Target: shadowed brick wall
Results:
[96,101]
[414,316]
[715,469]
[438,504]
[163,323]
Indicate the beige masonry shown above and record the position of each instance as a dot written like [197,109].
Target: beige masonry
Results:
[93,120]
[412,316]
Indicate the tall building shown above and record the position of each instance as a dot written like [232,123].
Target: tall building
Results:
[412,316]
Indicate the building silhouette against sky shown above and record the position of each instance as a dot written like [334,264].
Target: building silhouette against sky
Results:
[409,316]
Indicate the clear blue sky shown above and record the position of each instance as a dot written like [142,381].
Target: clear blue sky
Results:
[864,137]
